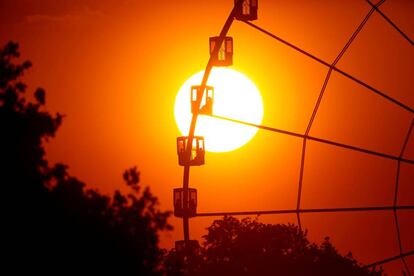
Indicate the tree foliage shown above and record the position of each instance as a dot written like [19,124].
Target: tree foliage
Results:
[53,223]
[248,247]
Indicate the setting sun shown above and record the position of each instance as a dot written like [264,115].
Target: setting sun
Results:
[235,97]
[120,154]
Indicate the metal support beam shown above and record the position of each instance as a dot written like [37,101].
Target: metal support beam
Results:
[312,210]
[209,67]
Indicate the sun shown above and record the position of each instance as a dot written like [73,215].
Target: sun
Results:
[235,97]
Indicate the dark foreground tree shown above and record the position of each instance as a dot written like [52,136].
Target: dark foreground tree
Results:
[248,247]
[51,223]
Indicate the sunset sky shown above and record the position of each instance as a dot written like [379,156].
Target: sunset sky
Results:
[114,68]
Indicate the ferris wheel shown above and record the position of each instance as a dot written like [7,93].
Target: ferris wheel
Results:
[191,148]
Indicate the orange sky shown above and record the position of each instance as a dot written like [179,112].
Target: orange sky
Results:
[114,68]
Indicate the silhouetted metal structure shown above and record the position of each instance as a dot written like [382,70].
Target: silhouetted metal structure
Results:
[391,23]
[197,151]
[224,57]
[185,206]
[193,247]
[184,145]
[206,102]
[320,140]
[247,11]
[221,54]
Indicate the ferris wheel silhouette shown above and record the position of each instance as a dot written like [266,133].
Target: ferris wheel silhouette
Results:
[191,150]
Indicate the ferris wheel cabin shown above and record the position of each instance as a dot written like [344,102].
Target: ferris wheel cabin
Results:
[224,57]
[247,11]
[194,247]
[197,151]
[206,102]
[184,207]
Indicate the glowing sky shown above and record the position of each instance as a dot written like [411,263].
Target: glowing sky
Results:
[114,68]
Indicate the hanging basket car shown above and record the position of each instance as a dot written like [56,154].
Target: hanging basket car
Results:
[206,102]
[193,248]
[224,56]
[184,207]
[247,11]
[197,151]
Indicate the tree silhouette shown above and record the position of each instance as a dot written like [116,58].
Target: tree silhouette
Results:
[52,222]
[248,247]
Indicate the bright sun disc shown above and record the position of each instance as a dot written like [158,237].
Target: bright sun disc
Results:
[235,97]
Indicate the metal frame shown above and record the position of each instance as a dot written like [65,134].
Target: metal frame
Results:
[332,68]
